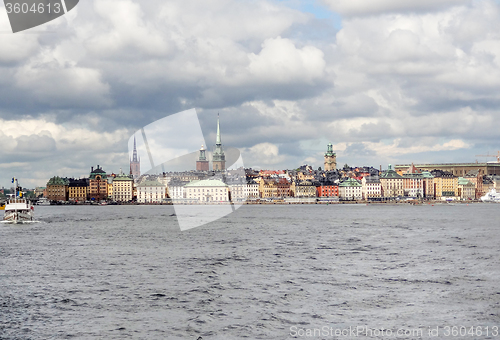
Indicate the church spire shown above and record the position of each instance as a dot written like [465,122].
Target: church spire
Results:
[218,159]
[218,142]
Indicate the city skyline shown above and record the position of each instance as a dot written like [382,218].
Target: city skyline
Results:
[384,83]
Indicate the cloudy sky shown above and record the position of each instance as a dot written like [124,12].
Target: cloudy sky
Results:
[385,81]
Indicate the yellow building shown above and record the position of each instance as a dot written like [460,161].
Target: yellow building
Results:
[78,190]
[445,185]
[268,188]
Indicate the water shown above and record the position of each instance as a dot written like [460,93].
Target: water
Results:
[264,272]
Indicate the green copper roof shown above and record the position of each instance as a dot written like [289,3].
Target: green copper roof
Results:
[463,181]
[351,182]
[207,183]
[122,177]
[56,180]
[329,151]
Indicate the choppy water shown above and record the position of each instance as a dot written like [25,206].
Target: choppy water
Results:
[264,272]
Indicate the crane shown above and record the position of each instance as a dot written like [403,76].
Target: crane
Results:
[497,156]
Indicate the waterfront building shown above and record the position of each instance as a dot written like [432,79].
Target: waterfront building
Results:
[428,184]
[150,192]
[268,188]
[413,182]
[207,191]
[252,189]
[466,189]
[78,190]
[57,189]
[135,164]
[123,188]
[218,157]
[330,159]
[457,169]
[176,189]
[350,189]
[445,185]
[283,188]
[391,183]
[371,187]
[476,177]
[327,189]
[237,189]
[303,189]
[202,163]
[98,184]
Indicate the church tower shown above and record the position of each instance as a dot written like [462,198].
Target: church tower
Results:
[219,159]
[202,162]
[330,159]
[135,164]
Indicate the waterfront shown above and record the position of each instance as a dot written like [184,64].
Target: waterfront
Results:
[118,272]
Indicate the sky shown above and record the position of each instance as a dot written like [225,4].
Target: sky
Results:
[386,82]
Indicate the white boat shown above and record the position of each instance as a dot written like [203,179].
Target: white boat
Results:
[43,201]
[18,209]
[491,196]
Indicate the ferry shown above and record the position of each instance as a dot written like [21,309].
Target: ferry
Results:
[491,196]
[18,209]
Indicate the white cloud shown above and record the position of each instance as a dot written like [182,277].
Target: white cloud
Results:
[280,61]
[363,7]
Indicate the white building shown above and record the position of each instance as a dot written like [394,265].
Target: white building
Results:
[207,191]
[177,189]
[252,188]
[371,187]
[150,192]
[123,188]
[350,190]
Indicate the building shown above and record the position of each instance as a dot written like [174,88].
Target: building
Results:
[57,189]
[268,188]
[135,164]
[350,189]
[202,162]
[327,189]
[218,157]
[457,169]
[428,184]
[150,192]
[176,189]
[207,191]
[39,191]
[445,185]
[391,183]
[303,189]
[466,189]
[78,190]
[123,188]
[330,159]
[371,188]
[413,182]
[98,184]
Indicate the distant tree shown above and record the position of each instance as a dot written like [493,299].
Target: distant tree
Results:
[319,168]
[346,167]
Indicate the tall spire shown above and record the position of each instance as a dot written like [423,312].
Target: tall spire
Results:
[218,142]
[134,156]
[218,159]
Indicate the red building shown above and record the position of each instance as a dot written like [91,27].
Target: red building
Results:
[327,190]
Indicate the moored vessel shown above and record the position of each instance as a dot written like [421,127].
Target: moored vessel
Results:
[491,196]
